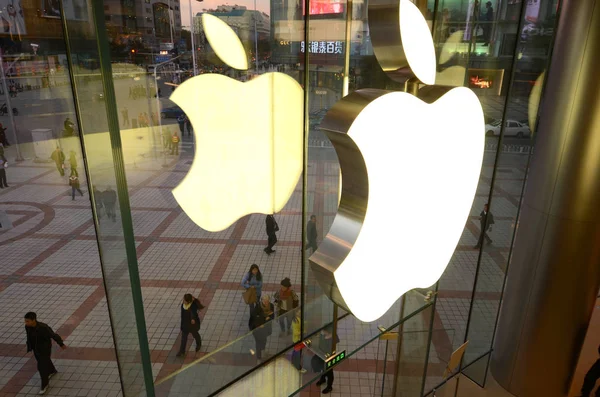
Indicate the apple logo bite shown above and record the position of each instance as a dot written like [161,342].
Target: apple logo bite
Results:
[410,166]
[249,138]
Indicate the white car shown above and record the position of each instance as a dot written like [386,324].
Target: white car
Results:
[511,128]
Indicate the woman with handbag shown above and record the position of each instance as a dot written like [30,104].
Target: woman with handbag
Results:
[252,279]
[190,322]
[286,299]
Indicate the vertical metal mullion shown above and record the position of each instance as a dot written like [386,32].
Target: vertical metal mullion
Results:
[123,194]
[78,116]
[304,265]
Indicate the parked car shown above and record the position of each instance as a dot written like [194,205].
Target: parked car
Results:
[171,113]
[511,128]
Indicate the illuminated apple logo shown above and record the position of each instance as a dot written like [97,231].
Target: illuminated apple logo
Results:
[249,138]
[410,167]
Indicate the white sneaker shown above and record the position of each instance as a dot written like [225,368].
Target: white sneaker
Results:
[302,371]
[43,391]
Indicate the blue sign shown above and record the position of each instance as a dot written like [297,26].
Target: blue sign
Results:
[161,58]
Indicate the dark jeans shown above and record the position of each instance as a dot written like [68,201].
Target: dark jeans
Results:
[271,241]
[110,210]
[483,234]
[312,245]
[590,380]
[73,188]
[184,338]
[327,377]
[45,368]
[261,342]
[3,182]
[283,319]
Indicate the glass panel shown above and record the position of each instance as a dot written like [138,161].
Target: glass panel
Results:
[354,366]
[175,255]
[325,51]
[475,42]
[107,171]
[535,42]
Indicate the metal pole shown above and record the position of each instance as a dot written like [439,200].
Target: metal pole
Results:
[346,80]
[255,38]
[9,108]
[193,45]
[171,17]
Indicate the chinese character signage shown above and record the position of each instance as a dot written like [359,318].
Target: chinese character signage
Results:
[323,47]
[334,360]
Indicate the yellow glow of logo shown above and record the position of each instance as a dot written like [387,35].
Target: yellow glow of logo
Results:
[249,141]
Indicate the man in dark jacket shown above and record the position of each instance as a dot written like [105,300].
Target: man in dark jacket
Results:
[311,234]
[589,382]
[486,220]
[488,19]
[190,322]
[272,227]
[39,340]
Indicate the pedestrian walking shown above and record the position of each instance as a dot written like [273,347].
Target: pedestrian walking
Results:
[109,200]
[39,340]
[188,126]
[146,120]
[486,220]
[175,144]
[326,346]
[286,299]
[74,182]
[261,325]
[3,139]
[166,134]
[98,202]
[59,159]
[590,379]
[140,120]
[190,322]
[125,114]
[154,117]
[488,19]
[253,279]
[3,167]
[311,234]
[272,228]
[297,337]
[181,122]
[73,163]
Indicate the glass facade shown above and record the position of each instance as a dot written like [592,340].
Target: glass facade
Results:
[93,239]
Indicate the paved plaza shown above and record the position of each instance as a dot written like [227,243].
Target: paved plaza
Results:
[49,263]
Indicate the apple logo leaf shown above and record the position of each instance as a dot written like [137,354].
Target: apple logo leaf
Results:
[402,40]
[224,42]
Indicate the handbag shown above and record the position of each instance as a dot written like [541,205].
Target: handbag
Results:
[249,296]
